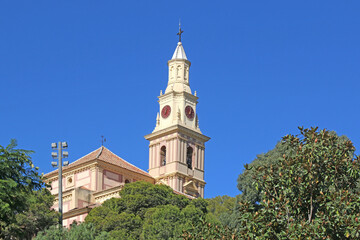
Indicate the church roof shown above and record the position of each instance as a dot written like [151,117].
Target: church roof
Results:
[105,155]
[179,52]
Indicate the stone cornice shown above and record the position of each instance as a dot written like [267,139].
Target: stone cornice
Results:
[92,164]
[68,194]
[175,174]
[123,171]
[177,128]
[174,137]
[179,94]
[76,212]
[195,168]
[179,60]
[53,176]
[108,192]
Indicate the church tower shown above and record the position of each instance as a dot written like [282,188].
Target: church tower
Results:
[177,146]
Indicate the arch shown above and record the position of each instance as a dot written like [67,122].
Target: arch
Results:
[127,181]
[189,153]
[172,72]
[163,156]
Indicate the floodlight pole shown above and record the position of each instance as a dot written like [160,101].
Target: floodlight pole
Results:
[60,146]
[60,183]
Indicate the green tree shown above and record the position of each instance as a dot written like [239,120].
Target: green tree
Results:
[140,196]
[83,231]
[123,217]
[24,204]
[169,221]
[221,207]
[36,218]
[52,233]
[162,222]
[272,157]
[147,211]
[310,194]
[18,178]
[206,230]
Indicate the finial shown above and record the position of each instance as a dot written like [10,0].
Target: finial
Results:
[160,92]
[103,140]
[195,93]
[180,31]
[158,119]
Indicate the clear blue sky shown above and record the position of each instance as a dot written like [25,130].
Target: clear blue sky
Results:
[75,70]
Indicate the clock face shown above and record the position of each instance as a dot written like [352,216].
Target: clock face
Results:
[189,111]
[165,112]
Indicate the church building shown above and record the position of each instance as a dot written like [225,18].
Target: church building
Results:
[176,153]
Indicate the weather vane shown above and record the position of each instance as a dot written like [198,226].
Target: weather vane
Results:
[103,140]
[180,31]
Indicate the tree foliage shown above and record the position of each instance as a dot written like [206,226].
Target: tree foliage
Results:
[162,222]
[146,211]
[310,194]
[221,207]
[272,157]
[83,231]
[246,179]
[36,218]
[209,231]
[24,204]
[18,178]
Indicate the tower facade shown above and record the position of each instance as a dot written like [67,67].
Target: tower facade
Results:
[177,146]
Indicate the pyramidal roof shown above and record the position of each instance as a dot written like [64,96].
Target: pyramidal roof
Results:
[105,155]
[179,52]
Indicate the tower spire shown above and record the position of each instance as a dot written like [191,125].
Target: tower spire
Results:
[177,146]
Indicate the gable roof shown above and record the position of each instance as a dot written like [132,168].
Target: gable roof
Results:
[105,155]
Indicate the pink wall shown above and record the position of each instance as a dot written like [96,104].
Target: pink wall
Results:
[69,221]
[66,206]
[111,179]
[82,203]
[83,179]
[55,186]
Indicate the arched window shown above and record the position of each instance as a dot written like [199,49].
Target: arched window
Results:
[189,153]
[163,156]
[127,181]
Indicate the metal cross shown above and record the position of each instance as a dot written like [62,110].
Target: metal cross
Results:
[180,32]
[103,140]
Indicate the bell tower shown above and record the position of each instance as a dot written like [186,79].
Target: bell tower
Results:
[177,146]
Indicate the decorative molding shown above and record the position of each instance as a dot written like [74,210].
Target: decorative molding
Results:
[177,128]
[125,172]
[76,212]
[180,175]
[73,170]
[102,196]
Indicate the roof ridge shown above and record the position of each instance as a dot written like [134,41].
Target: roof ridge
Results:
[74,161]
[126,161]
[83,156]
[102,147]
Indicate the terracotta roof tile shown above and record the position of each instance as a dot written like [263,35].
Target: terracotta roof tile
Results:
[105,155]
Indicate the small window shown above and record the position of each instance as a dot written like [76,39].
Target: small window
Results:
[163,156]
[189,153]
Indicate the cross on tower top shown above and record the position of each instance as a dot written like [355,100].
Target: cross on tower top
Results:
[103,140]
[180,32]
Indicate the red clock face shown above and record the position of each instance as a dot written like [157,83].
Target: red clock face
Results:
[189,111]
[165,112]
